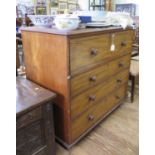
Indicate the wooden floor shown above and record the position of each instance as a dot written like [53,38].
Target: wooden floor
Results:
[116,135]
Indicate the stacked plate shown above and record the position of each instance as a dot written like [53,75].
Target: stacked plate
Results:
[98,24]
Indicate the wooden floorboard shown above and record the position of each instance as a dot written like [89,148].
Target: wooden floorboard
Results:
[115,135]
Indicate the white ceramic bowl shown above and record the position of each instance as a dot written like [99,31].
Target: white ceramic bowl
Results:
[66,23]
[42,20]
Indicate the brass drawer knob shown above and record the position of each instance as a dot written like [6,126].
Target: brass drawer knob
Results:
[92,78]
[117,97]
[93,52]
[91,117]
[119,81]
[123,43]
[92,97]
[120,64]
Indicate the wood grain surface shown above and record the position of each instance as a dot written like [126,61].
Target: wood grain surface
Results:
[46,59]
[97,75]
[74,33]
[92,96]
[30,95]
[87,52]
[83,122]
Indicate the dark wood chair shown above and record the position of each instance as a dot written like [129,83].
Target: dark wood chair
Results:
[134,66]
[20,67]
[17,56]
[135,45]
[134,73]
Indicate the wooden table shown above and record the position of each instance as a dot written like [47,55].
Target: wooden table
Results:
[34,119]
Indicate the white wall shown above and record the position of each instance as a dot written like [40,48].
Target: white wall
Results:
[84,4]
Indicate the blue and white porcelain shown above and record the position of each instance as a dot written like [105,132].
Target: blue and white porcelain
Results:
[42,20]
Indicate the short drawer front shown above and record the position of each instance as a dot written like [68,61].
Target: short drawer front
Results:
[89,51]
[123,40]
[28,118]
[90,97]
[87,119]
[119,64]
[91,78]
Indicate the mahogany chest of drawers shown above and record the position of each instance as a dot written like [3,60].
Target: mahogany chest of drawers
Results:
[88,69]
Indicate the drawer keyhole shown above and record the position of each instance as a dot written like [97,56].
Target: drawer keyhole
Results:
[93,51]
[92,97]
[91,117]
[92,78]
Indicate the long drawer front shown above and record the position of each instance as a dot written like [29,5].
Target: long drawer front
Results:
[89,79]
[90,97]
[91,116]
[89,51]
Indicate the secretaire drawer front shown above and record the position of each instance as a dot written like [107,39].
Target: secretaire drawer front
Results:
[87,51]
[88,79]
[90,97]
[29,118]
[91,116]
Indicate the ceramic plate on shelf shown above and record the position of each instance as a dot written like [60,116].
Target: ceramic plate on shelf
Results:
[97,24]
